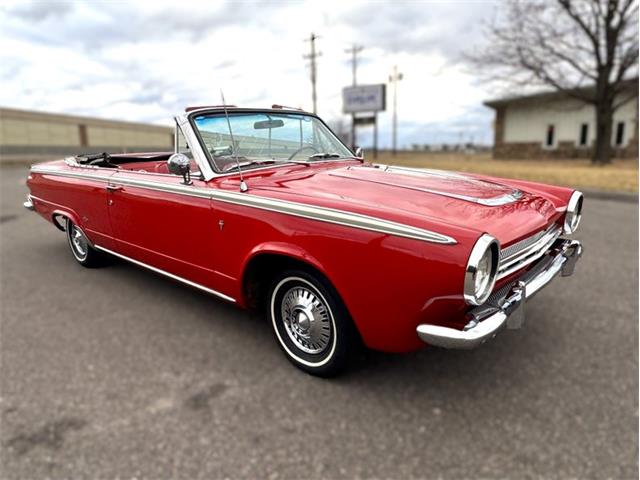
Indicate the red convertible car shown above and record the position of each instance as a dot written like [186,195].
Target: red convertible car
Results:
[267,208]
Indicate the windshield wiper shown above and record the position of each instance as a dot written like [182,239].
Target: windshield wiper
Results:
[325,155]
[249,163]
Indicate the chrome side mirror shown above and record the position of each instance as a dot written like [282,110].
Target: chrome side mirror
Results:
[179,164]
[359,152]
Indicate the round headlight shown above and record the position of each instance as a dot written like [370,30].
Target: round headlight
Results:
[482,270]
[574,213]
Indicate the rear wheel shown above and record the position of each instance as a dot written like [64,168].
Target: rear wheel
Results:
[310,323]
[81,249]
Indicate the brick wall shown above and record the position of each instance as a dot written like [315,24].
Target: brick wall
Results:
[534,150]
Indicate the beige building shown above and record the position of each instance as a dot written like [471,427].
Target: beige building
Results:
[554,125]
[38,135]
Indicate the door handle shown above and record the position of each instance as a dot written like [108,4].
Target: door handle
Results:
[114,188]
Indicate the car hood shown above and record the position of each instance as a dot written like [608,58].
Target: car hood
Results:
[415,196]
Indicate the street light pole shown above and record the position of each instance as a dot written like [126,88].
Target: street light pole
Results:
[312,57]
[394,78]
[354,50]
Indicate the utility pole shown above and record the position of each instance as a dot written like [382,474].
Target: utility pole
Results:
[312,57]
[394,78]
[354,50]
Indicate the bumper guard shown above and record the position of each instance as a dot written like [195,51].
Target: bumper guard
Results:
[505,307]
[29,204]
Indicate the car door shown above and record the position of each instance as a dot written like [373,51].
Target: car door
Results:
[164,224]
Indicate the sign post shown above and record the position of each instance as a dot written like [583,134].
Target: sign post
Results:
[394,78]
[375,135]
[365,99]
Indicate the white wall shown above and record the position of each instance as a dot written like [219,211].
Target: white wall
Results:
[529,122]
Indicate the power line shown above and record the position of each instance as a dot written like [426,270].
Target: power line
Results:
[394,78]
[314,73]
[354,50]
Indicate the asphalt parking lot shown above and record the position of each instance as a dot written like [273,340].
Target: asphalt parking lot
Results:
[120,373]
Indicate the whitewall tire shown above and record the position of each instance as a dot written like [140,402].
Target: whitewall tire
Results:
[310,322]
[81,248]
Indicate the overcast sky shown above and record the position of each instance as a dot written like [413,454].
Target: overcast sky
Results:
[143,61]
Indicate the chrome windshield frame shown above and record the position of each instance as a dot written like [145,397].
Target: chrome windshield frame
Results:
[190,136]
[207,166]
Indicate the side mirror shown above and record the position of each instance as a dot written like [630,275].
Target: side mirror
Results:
[179,164]
[359,152]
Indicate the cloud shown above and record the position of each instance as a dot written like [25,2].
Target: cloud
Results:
[146,61]
[39,11]
[419,27]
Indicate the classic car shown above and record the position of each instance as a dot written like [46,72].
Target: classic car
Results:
[267,208]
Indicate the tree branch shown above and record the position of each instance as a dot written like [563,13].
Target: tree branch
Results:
[595,41]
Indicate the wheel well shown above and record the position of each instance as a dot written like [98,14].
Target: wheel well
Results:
[59,221]
[260,272]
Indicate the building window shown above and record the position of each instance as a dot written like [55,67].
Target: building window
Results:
[584,135]
[619,134]
[550,140]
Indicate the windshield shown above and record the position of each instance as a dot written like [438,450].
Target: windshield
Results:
[264,138]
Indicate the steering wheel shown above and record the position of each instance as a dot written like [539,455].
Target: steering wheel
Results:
[302,149]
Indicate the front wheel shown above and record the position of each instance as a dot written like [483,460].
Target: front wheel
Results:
[310,323]
[81,248]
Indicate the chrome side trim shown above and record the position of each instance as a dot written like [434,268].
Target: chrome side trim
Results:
[323,214]
[497,201]
[74,174]
[167,274]
[330,215]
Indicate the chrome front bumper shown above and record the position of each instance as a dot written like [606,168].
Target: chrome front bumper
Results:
[505,307]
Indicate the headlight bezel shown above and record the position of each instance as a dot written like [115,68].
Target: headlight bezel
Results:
[573,215]
[486,244]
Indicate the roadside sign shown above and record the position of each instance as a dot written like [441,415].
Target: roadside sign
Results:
[364,98]
[364,120]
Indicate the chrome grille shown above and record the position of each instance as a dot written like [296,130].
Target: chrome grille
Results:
[522,244]
[524,252]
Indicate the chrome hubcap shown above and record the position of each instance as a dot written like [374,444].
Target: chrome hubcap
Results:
[78,242]
[306,320]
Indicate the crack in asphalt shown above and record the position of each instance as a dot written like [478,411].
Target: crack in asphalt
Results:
[7,218]
[51,435]
[200,400]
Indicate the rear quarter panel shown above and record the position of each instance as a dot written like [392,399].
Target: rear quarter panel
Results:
[82,200]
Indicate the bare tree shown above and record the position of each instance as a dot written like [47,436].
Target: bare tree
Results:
[583,48]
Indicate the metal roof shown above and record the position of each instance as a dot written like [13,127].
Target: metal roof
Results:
[550,95]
